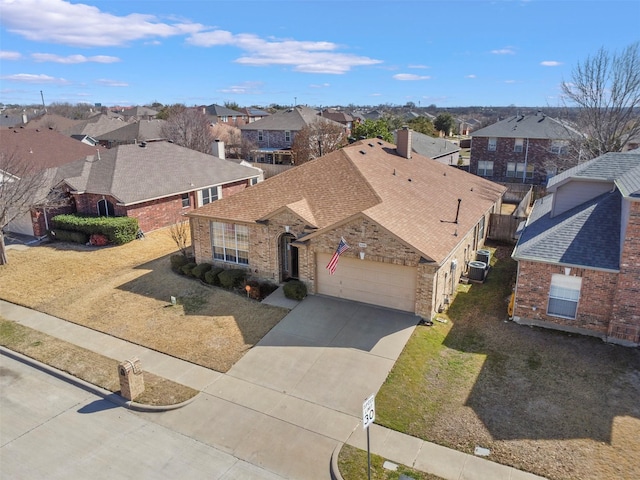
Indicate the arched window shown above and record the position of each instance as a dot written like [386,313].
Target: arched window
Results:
[105,208]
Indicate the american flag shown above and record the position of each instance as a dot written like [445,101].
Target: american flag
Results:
[333,263]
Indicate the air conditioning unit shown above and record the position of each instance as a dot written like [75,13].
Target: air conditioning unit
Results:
[483,256]
[477,270]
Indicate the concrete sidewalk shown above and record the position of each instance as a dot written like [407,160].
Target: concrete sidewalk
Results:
[235,409]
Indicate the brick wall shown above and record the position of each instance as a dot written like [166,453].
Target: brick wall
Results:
[270,138]
[435,283]
[594,306]
[538,155]
[625,323]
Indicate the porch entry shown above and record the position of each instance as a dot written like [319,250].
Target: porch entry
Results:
[288,257]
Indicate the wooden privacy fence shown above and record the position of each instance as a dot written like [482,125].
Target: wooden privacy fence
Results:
[502,228]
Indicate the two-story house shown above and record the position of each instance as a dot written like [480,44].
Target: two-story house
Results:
[522,148]
[272,137]
[579,253]
[220,114]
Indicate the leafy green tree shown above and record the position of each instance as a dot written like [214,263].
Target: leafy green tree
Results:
[423,125]
[445,123]
[372,129]
[232,106]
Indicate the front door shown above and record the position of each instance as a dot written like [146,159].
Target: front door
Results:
[288,257]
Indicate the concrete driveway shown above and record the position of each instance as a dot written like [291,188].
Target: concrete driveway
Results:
[298,393]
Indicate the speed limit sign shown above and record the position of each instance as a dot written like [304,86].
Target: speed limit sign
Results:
[368,411]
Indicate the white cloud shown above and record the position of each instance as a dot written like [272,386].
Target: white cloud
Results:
[30,78]
[509,81]
[6,55]
[322,85]
[244,88]
[410,77]
[419,66]
[72,59]
[470,76]
[550,63]
[81,25]
[111,83]
[504,51]
[303,56]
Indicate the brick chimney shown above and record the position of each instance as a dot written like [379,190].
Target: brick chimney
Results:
[403,141]
[217,148]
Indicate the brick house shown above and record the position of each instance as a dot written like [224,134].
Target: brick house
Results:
[579,253]
[523,148]
[412,225]
[42,149]
[228,116]
[273,136]
[154,182]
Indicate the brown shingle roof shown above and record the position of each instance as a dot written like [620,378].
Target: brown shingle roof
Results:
[415,199]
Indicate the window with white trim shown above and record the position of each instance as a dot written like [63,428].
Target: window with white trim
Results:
[287,136]
[481,229]
[492,145]
[185,200]
[518,145]
[224,118]
[208,195]
[260,135]
[564,294]
[230,242]
[517,170]
[559,147]
[485,168]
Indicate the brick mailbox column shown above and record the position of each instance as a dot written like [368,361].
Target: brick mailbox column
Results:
[131,378]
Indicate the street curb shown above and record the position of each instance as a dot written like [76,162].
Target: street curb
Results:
[89,387]
[334,469]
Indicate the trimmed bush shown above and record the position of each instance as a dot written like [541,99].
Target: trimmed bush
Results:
[295,290]
[177,262]
[68,236]
[187,269]
[211,277]
[118,230]
[200,270]
[232,278]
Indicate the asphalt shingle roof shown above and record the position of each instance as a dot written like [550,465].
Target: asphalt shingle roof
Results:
[430,146]
[135,174]
[537,126]
[293,119]
[587,235]
[140,131]
[415,199]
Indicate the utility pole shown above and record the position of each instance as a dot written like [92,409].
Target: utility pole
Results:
[43,105]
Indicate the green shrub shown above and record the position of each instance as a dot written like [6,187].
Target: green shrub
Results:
[187,269]
[177,262]
[295,290]
[118,230]
[211,277]
[231,278]
[200,270]
[68,236]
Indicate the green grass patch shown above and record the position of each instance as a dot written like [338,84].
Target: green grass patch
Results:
[353,465]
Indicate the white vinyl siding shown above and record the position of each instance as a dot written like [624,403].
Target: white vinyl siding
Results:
[564,294]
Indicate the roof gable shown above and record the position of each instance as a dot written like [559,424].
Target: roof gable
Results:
[293,119]
[538,126]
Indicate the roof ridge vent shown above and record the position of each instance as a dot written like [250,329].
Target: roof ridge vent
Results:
[363,152]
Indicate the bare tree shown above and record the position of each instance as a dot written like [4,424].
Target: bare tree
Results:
[317,139]
[181,234]
[21,187]
[232,138]
[189,128]
[606,90]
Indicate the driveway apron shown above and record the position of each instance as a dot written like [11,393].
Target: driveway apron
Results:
[298,393]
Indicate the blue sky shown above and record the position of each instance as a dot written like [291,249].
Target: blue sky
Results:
[320,53]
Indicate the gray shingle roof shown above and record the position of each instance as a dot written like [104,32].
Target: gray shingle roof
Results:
[293,119]
[134,174]
[587,235]
[623,168]
[528,126]
[141,131]
[220,111]
[430,147]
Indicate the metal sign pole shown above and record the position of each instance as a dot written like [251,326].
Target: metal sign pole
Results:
[368,417]
[368,454]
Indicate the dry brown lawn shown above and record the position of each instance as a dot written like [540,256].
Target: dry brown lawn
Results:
[126,291]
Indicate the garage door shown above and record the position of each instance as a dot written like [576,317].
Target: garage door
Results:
[383,284]
[22,225]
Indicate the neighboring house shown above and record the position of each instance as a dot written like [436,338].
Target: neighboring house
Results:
[522,148]
[139,113]
[579,253]
[341,117]
[96,126]
[412,225]
[154,182]
[251,114]
[135,132]
[42,149]
[13,118]
[438,149]
[274,135]
[220,114]
[52,121]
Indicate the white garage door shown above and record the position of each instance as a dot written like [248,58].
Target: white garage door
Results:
[21,225]
[383,284]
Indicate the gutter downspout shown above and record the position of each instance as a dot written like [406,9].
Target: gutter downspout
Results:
[526,157]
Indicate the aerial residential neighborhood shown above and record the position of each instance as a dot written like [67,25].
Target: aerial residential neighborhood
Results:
[310,240]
